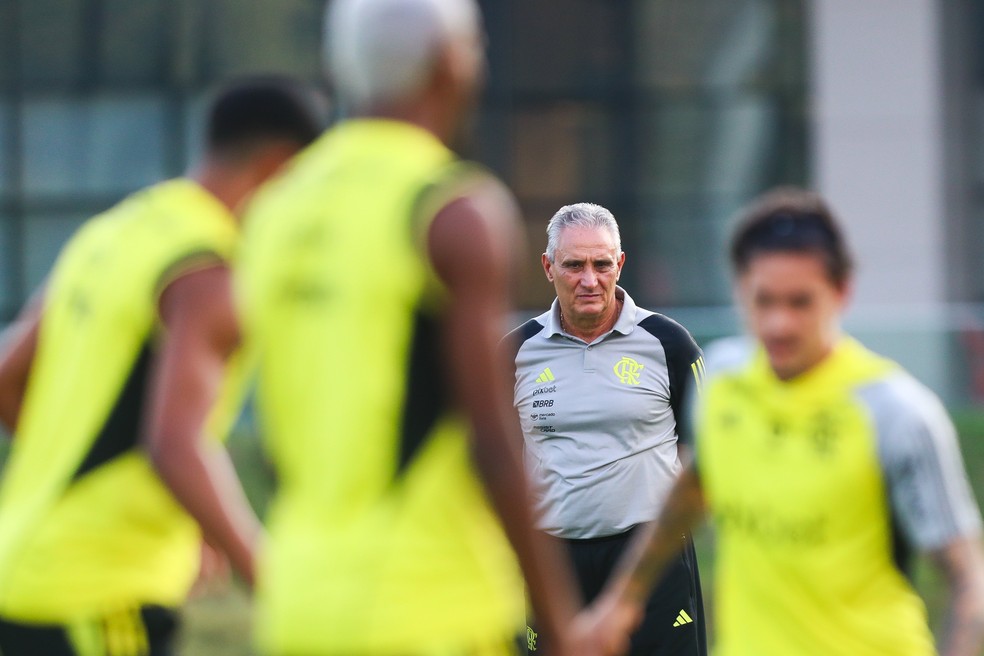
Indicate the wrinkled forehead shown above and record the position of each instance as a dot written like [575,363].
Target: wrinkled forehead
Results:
[586,243]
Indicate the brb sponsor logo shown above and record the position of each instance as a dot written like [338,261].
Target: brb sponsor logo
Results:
[543,403]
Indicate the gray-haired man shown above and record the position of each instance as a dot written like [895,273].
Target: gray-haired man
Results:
[599,391]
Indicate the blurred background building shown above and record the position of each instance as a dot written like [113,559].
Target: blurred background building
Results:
[673,113]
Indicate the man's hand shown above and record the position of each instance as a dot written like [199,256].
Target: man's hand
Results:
[201,333]
[214,572]
[604,627]
[962,563]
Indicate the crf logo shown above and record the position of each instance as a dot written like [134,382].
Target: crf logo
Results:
[628,370]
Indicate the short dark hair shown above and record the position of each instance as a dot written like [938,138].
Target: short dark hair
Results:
[247,112]
[791,219]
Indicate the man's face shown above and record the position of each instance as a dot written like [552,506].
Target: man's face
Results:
[792,307]
[585,269]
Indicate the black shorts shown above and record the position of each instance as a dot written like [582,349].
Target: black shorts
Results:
[144,631]
[673,623]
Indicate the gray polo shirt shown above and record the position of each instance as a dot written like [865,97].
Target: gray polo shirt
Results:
[601,421]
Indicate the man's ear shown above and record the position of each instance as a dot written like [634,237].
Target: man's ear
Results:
[547,267]
[846,292]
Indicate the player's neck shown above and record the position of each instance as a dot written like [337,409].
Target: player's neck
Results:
[230,183]
[427,113]
[810,365]
[230,190]
[589,329]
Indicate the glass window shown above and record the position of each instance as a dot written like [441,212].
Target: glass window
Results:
[195,111]
[103,145]
[575,46]
[44,236]
[8,42]
[708,44]
[132,44]
[719,118]
[249,36]
[677,257]
[52,39]
[563,152]
[729,146]
[6,154]
[9,296]
[671,140]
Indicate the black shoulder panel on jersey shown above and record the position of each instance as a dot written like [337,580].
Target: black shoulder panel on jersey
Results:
[120,432]
[445,187]
[673,336]
[903,554]
[510,344]
[682,356]
[427,396]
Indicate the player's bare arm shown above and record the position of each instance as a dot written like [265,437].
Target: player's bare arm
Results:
[617,610]
[962,563]
[201,332]
[17,348]
[471,242]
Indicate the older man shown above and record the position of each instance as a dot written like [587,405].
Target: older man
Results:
[599,389]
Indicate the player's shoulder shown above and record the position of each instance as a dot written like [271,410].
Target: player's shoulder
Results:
[526,330]
[463,180]
[667,330]
[728,355]
[899,399]
[147,219]
[298,183]
[521,335]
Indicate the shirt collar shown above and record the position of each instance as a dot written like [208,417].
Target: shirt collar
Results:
[627,319]
[624,324]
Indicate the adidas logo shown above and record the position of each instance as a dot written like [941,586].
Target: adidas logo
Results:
[683,618]
[545,376]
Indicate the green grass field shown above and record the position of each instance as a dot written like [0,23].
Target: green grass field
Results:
[218,623]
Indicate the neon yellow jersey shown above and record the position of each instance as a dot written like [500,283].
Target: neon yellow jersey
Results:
[380,537]
[86,527]
[795,478]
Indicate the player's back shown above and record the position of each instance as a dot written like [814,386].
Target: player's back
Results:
[85,524]
[380,537]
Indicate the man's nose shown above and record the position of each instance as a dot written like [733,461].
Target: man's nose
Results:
[589,277]
[779,322]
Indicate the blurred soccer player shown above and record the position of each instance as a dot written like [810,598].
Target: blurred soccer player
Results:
[822,466]
[375,283]
[105,383]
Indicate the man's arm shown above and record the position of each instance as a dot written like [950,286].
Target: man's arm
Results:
[201,332]
[617,611]
[470,242]
[660,541]
[962,563]
[932,502]
[20,341]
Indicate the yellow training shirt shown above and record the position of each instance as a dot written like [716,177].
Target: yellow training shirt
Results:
[806,481]
[86,526]
[380,538]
